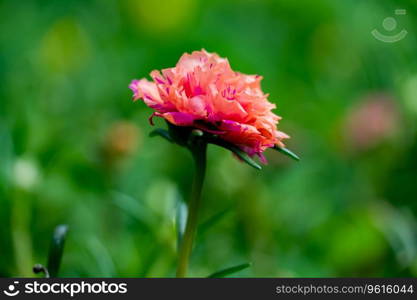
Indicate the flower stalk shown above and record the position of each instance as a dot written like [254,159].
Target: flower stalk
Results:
[198,150]
[204,101]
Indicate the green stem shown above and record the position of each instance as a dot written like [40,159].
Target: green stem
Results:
[198,151]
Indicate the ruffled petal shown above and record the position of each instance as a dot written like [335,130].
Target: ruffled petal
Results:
[148,91]
[178,118]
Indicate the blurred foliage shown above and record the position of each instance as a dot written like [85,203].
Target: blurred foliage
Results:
[75,150]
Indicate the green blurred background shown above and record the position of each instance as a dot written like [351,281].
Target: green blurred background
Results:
[74,148]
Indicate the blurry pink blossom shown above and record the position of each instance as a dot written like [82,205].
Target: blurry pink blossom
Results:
[372,121]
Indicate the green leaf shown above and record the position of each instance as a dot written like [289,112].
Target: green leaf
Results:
[228,271]
[181,220]
[287,152]
[236,150]
[162,133]
[57,249]
[213,220]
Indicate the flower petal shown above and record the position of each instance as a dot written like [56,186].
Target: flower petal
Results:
[178,118]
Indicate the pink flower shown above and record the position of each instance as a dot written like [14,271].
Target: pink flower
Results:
[202,91]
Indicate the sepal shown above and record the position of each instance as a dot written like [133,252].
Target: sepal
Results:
[287,152]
